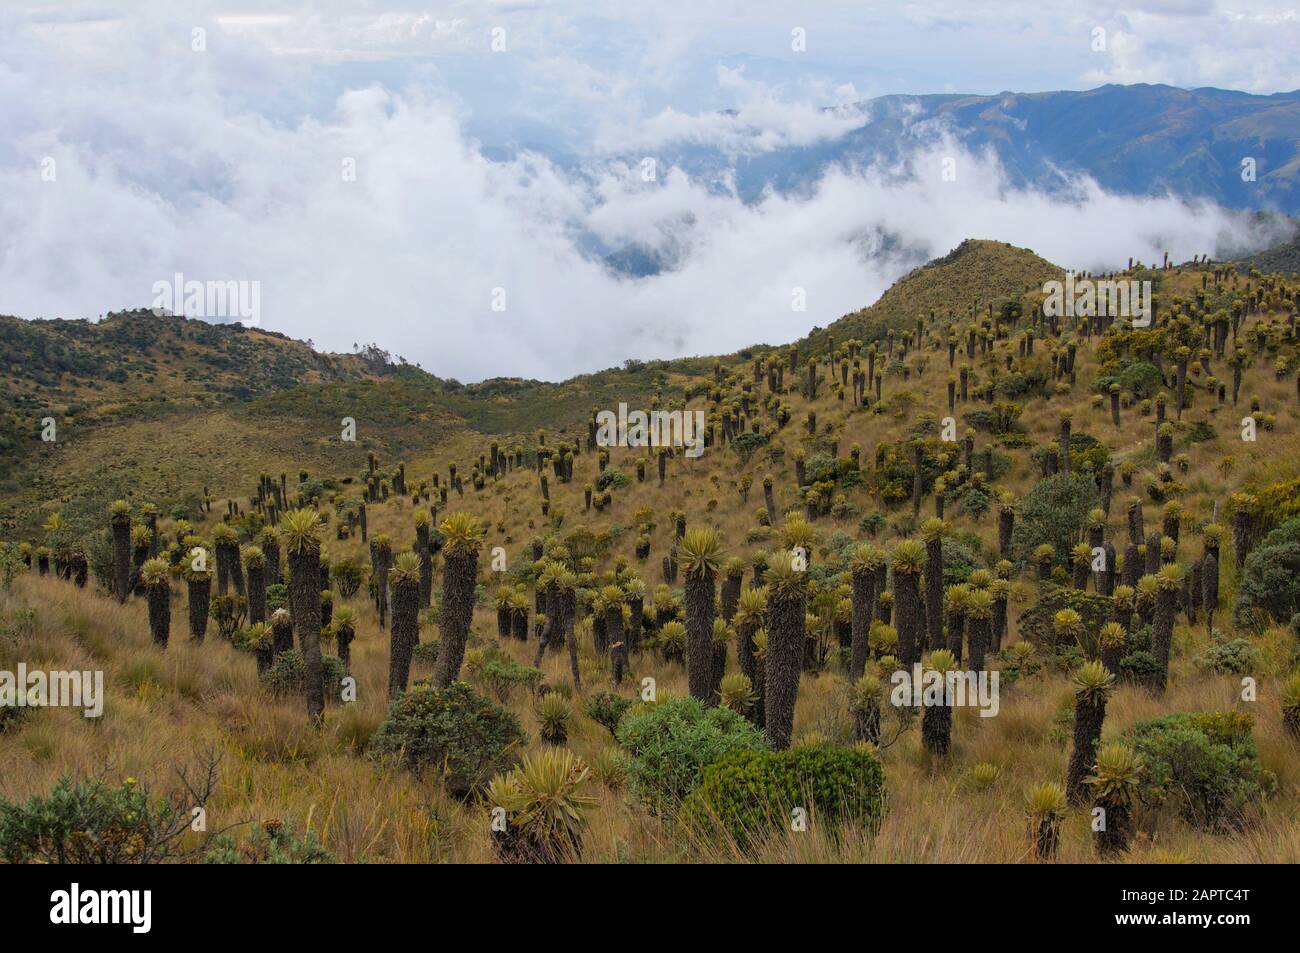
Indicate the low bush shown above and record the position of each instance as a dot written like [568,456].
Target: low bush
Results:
[959,561]
[502,675]
[616,479]
[1038,623]
[607,709]
[1228,656]
[1139,667]
[669,744]
[277,597]
[288,674]
[272,842]
[93,822]
[747,444]
[1270,578]
[426,651]
[1052,512]
[1205,764]
[1138,378]
[749,794]
[452,731]
[348,575]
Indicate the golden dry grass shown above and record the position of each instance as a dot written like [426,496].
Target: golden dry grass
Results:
[165,706]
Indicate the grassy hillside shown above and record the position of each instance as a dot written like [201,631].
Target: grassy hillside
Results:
[139,364]
[973,277]
[1284,259]
[158,408]
[166,707]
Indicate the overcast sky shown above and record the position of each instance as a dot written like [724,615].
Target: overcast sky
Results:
[135,147]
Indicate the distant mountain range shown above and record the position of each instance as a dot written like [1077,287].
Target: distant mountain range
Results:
[1140,140]
[1134,140]
[219,404]
[1284,259]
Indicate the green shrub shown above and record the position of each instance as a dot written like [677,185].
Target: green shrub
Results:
[277,597]
[608,709]
[1139,640]
[612,478]
[872,523]
[11,564]
[91,822]
[1270,578]
[1016,384]
[426,651]
[820,468]
[746,444]
[1087,452]
[348,575]
[1038,623]
[11,716]
[1205,765]
[1066,656]
[454,732]
[1229,656]
[1052,512]
[1139,379]
[272,842]
[959,561]
[982,420]
[502,675]
[1140,667]
[1006,416]
[892,478]
[750,793]
[312,491]
[288,674]
[670,743]
[101,560]
[974,503]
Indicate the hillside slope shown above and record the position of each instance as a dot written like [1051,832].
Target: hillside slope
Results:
[133,361]
[214,405]
[1283,259]
[974,276]
[842,474]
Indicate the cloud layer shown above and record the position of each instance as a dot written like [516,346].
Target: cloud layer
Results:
[232,164]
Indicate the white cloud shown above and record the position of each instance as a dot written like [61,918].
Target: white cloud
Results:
[760,121]
[1197,43]
[226,166]
[410,253]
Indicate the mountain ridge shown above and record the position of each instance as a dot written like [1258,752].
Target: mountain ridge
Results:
[276,403]
[1140,139]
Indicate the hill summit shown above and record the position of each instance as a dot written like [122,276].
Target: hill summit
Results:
[974,276]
